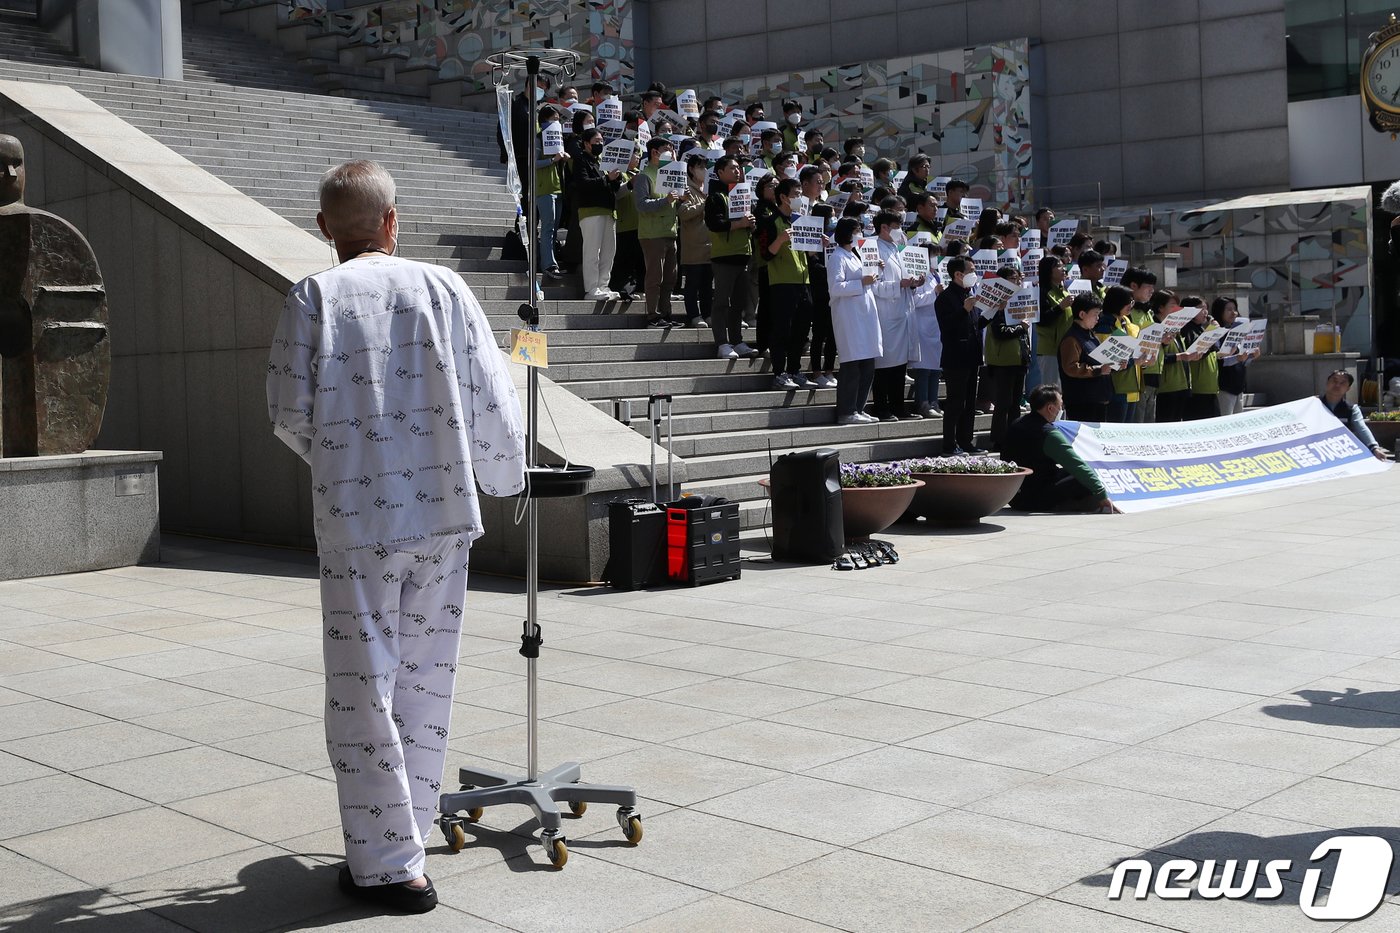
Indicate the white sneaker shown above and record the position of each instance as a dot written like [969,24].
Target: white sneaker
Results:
[857,418]
[744,349]
[726,352]
[801,381]
[868,419]
[700,322]
[783,381]
[826,382]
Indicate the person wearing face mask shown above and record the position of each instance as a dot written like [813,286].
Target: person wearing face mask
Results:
[772,141]
[958,325]
[548,184]
[730,252]
[753,113]
[792,124]
[522,106]
[629,266]
[823,348]
[894,298]
[854,149]
[1055,319]
[855,322]
[789,298]
[1060,480]
[813,147]
[656,230]
[695,245]
[785,165]
[1088,385]
[595,193]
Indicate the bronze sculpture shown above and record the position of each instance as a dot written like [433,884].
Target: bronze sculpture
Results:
[55,354]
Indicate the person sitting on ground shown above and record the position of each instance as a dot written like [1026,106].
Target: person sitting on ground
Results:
[1061,481]
[1334,397]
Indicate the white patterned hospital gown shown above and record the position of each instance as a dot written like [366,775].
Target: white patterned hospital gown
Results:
[385,377]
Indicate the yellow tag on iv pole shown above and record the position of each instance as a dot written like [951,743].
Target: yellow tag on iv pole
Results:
[529,347]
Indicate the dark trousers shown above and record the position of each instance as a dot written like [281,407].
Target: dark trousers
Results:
[1201,405]
[1120,410]
[763,313]
[853,386]
[629,267]
[728,302]
[1063,494]
[789,317]
[823,340]
[699,290]
[1008,385]
[1096,412]
[959,410]
[889,391]
[1171,406]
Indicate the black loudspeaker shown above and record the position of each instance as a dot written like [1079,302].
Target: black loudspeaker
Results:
[806,491]
[636,544]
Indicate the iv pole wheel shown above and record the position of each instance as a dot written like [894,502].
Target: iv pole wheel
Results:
[631,825]
[456,837]
[557,850]
[578,807]
[474,814]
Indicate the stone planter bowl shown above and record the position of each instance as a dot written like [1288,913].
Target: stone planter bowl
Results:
[963,498]
[867,510]
[1385,432]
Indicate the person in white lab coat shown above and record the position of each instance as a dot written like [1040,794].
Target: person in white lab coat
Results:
[926,368]
[894,299]
[855,322]
[385,378]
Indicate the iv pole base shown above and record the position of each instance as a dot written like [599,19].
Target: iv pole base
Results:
[482,788]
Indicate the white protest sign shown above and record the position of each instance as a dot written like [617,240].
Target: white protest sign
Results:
[610,109]
[677,139]
[994,295]
[552,139]
[672,178]
[1150,340]
[898,179]
[580,107]
[922,238]
[838,202]
[688,104]
[711,155]
[867,178]
[740,200]
[1024,306]
[939,186]
[726,122]
[869,252]
[986,262]
[1072,273]
[1253,341]
[1031,258]
[801,206]
[806,234]
[1079,287]
[612,130]
[910,218]
[643,133]
[1114,273]
[915,259]
[1062,232]
[1116,351]
[971,207]
[756,140]
[1208,339]
[753,175]
[801,140]
[1177,320]
[958,230]
[617,155]
[1030,239]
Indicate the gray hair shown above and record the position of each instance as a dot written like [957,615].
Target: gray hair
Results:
[357,194]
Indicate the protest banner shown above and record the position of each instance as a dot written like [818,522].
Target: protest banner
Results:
[1079,287]
[643,135]
[677,138]
[915,259]
[712,154]
[1237,338]
[1030,239]
[994,295]
[1114,273]
[688,104]
[552,139]
[1116,351]
[672,178]
[1177,320]
[612,130]
[939,186]
[1031,258]
[806,234]
[580,107]
[867,178]
[958,230]
[1063,231]
[838,201]
[610,109]
[910,218]
[1206,340]
[617,155]
[726,122]
[740,200]
[986,262]
[1253,341]
[756,139]
[1150,341]
[869,251]
[1151,466]
[1024,306]
[922,238]
[971,208]
[754,174]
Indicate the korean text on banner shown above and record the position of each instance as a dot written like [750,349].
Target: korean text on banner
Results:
[1062,232]
[939,186]
[1024,306]
[740,200]
[1207,340]
[986,262]
[1150,340]
[869,251]
[1117,351]
[1113,275]
[994,295]
[672,178]
[610,109]
[806,233]
[1151,466]
[612,130]
[915,261]
[688,103]
[617,155]
[959,229]
[552,139]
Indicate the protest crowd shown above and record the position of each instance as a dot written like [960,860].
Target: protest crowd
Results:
[884,279]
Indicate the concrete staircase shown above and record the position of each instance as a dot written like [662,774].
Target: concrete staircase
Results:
[273,142]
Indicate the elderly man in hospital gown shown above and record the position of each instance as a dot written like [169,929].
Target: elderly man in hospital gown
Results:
[385,377]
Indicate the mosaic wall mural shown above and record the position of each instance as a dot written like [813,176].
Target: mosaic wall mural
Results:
[455,36]
[1305,252]
[967,108]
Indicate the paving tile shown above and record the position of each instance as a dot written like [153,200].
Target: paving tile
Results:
[676,776]
[150,840]
[14,769]
[706,851]
[1109,813]
[1013,746]
[271,810]
[114,645]
[899,658]
[227,719]
[1380,767]
[53,631]
[949,696]
[1018,675]
[647,720]
[99,744]
[864,719]
[740,697]
[60,682]
[631,678]
[836,813]
[1156,695]
[1091,720]
[1003,852]
[554,699]
[715,659]
[43,717]
[60,800]
[177,775]
[1323,713]
[1184,777]
[774,745]
[298,748]
[143,698]
[248,681]
[825,676]
[1307,754]
[1334,803]
[724,913]
[894,896]
[179,662]
[90,909]
[558,742]
[922,775]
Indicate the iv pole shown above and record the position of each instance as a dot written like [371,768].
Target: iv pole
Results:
[542,793]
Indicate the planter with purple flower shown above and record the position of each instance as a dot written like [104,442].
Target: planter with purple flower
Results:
[873,496]
[962,490]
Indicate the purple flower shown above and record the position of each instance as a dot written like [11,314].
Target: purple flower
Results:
[967,464]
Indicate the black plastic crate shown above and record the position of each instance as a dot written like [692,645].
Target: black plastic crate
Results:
[711,541]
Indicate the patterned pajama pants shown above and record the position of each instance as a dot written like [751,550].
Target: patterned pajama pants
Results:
[392,627]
